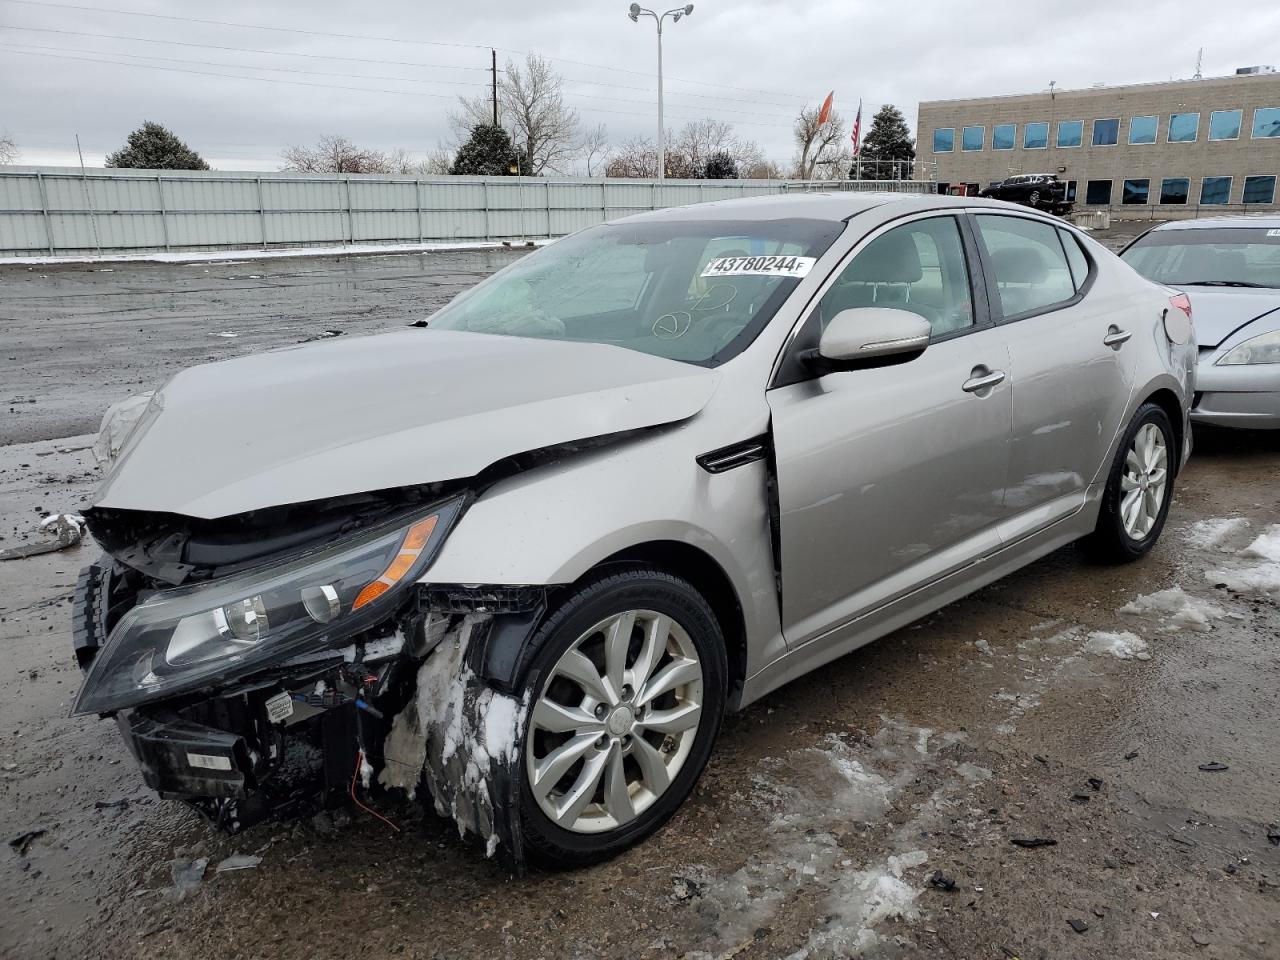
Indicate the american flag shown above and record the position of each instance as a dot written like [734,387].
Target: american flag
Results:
[857,131]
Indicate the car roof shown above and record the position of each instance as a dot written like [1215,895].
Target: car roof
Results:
[835,206]
[1239,220]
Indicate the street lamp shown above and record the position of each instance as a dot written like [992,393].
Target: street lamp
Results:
[635,13]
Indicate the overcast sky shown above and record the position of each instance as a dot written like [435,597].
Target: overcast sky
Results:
[755,62]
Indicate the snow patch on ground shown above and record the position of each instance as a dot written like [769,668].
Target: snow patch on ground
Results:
[1212,534]
[1120,644]
[869,897]
[1262,578]
[800,854]
[215,256]
[1175,609]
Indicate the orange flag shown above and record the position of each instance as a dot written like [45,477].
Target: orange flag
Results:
[825,113]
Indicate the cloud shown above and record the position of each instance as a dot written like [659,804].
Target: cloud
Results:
[238,95]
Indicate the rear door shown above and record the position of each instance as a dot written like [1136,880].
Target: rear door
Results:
[891,477]
[1073,358]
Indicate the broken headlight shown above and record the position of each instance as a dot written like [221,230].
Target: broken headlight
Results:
[179,639]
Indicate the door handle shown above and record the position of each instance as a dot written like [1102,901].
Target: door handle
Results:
[976,384]
[1115,336]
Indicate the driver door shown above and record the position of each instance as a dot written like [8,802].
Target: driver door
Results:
[892,477]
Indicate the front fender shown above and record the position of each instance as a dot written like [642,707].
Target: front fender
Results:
[552,525]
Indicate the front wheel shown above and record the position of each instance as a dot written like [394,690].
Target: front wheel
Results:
[1139,489]
[629,687]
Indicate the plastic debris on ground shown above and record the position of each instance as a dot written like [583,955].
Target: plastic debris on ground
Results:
[187,873]
[238,861]
[67,530]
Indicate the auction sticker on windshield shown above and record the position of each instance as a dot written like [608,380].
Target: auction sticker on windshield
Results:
[780,265]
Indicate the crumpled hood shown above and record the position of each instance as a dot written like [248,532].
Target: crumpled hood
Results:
[369,413]
[1217,312]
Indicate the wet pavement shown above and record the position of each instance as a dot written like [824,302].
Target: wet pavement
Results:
[870,809]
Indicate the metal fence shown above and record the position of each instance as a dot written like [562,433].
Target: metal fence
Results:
[63,211]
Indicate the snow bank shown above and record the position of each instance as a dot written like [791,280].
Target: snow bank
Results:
[1175,609]
[1261,578]
[1122,645]
[254,253]
[1212,534]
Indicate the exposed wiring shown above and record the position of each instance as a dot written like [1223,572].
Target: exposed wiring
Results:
[355,775]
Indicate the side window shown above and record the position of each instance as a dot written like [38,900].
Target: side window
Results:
[1030,266]
[1076,259]
[919,267]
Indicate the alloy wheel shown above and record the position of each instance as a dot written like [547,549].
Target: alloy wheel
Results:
[1144,481]
[614,721]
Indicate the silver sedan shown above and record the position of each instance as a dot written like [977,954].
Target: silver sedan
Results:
[1229,268]
[524,556]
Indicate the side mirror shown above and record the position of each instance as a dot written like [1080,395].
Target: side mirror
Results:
[872,334]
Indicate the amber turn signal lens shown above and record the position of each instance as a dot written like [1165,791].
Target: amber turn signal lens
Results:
[415,540]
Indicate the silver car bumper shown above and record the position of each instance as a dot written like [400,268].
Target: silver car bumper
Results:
[1241,395]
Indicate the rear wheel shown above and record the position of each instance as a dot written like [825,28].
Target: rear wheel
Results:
[630,686]
[1139,489]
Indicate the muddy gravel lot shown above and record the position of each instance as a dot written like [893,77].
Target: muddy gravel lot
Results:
[1079,761]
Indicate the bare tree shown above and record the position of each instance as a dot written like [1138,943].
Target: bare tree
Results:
[531,109]
[636,158]
[761,169]
[816,144]
[8,148]
[688,152]
[335,154]
[594,149]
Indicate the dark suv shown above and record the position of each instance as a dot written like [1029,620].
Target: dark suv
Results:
[1043,191]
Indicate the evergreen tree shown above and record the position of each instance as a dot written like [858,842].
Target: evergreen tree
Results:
[888,139]
[154,147]
[489,152]
[721,166]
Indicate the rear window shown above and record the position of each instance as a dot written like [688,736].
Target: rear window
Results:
[1225,256]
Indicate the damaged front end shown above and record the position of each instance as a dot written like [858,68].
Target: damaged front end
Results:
[255,671]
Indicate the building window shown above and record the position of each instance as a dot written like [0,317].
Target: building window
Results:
[1143,129]
[1003,136]
[1035,136]
[1106,132]
[1184,127]
[1070,133]
[1215,190]
[1135,191]
[1097,193]
[1175,189]
[1259,190]
[1071,191]
[1266,122]
[1224,125]
[971,138]
[944,139]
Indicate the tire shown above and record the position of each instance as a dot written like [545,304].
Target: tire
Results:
[1034,198]
[1115,538]
[583,623]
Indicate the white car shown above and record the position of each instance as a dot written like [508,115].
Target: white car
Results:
[1229,267]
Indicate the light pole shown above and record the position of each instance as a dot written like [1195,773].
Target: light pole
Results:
[635,13]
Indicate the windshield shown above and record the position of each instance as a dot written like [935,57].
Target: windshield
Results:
[697,291]
[1219,256]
